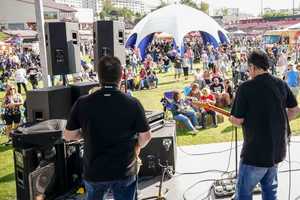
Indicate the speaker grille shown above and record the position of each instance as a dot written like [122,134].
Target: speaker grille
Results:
[41,181]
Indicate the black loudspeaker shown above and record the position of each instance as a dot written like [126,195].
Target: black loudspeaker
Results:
[45,166]
[161,150]
[80,89]
[109,40]
[39,172]
[62,46]
[48,103]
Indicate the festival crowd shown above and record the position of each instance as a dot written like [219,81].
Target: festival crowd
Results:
[216,74]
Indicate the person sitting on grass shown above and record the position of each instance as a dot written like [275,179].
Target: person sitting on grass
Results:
[218,90]
[195,94]
[182,113]
[208,98]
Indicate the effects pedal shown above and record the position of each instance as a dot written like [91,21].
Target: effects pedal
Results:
[225,187]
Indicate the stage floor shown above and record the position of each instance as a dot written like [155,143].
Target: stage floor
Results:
[179,184]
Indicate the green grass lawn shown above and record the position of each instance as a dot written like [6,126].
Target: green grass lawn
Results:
[3,36]
[151,101]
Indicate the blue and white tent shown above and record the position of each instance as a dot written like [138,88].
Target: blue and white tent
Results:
[176,20]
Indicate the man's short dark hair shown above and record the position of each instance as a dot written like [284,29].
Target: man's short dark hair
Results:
[259,59]
[109,70]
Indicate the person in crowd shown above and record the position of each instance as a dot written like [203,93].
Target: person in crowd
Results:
[243,69]
[198,78]
[130,79]
[125,90]
[134,62]
[185,66]
[11,104]
[190,56]
[265,127]
[20,77]
[153,80]
[207,98]
[177,67]
[218,90]
[204,58]
[228,89]
[112,142]
[183,113]
[143,79]
[33,74]
[292,77]
[282,63]
[207,77]
[166,63]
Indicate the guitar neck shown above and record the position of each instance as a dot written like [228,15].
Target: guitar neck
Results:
[213,108]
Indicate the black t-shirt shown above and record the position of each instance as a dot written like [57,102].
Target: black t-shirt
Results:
[109,121]
[217,88]
[265,126]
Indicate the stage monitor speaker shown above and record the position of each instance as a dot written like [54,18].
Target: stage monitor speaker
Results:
[80,89]
[39,174]
[160,150]
[62,46]
[48,103]
[109,40]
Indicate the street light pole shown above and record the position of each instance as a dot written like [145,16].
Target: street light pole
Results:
[39,13]
[293,7]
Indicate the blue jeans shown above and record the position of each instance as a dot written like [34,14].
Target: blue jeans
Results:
[250,176]
[122,190]
[189,119]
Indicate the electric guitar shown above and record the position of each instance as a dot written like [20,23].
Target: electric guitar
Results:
[208,106]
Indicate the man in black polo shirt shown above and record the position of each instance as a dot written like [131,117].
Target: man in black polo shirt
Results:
[114,128]
[263,106]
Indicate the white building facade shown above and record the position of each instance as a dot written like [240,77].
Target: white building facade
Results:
[137,6]
[20,14]
[72,3]
[95,5]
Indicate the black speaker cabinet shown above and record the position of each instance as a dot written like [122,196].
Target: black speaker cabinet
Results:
[48,103]
[39,173]
[160,150]
[109,39]
[62,46]
[80,89]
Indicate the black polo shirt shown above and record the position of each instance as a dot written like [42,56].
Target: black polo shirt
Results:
[109,122]
[265,127]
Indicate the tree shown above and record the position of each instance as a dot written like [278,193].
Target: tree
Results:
[204,7]
[190,3]
[275,13]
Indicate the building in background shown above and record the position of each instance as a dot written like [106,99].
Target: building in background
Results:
[95,5]
[20,14]
[71,3]
[137,6]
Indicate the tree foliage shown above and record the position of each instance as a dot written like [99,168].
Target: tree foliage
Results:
[274,13]
[204,6]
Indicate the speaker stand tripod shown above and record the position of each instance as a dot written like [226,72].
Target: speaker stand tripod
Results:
[160,195]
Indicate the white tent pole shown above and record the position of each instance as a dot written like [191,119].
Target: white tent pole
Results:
[39,13]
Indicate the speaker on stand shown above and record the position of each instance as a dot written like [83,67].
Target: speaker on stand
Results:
[109,40]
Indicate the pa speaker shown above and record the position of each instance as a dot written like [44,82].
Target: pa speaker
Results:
[80,89]
[62,46]
[39,174]
[48,103]
[109,40]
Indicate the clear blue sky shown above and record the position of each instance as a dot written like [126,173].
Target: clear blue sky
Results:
[248,6]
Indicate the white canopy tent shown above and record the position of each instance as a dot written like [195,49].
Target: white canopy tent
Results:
[177,20]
